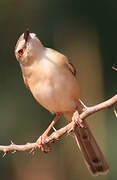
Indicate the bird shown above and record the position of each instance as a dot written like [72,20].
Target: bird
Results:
[52,80]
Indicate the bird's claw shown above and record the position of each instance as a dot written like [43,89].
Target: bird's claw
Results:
[76,119]
[42,144]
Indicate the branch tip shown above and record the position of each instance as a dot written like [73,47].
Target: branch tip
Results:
[114,68]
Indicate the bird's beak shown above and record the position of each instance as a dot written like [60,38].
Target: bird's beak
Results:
[26,34]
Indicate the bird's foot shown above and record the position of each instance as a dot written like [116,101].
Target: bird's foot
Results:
[42,144]
[77,120]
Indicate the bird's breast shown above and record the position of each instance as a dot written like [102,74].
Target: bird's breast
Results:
[54,87]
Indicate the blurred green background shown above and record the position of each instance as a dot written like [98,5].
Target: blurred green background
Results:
[86,31]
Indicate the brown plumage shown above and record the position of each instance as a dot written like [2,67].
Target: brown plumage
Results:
[93,156]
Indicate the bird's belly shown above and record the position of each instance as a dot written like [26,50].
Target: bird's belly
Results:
[57,95]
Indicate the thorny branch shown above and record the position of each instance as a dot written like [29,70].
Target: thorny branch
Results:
[65,130]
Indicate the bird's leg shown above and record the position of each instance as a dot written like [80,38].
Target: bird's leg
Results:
[77,120]
[42,139]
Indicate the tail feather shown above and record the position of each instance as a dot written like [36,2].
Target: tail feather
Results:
[93,156]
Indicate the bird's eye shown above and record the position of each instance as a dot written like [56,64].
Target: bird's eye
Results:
[21,52]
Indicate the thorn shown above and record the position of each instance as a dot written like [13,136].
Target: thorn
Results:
[70,130]
[54,128]
[115,111]
[13,152]
[4,154]
[85,107]
[114,68]
[31,151]
[12,143]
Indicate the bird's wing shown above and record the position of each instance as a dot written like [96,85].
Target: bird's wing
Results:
[60,59]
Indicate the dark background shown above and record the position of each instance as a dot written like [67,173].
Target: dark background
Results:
[86,31]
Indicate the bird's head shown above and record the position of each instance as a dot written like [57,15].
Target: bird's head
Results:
[28,48]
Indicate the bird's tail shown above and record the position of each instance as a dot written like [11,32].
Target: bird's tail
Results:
[93,156]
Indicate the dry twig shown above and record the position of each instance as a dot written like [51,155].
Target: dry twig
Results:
[59,133]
